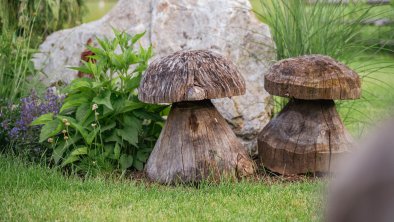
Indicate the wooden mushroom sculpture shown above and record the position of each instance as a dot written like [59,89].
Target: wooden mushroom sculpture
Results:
[308,134]
[196,142]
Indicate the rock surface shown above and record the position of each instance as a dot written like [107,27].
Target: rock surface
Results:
[225,26]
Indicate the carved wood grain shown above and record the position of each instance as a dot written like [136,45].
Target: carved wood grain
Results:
[306,136]
[197,144]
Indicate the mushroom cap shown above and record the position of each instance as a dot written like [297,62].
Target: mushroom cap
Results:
[312,77]
[188,76]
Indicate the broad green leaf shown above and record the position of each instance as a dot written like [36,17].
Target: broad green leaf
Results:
[78,84]
[125,161]
[130,58]
[74,101]
[91,136]
[130,105]
[142,156]
[114,43]
[70,159]
[83,111]
[94,68]
[138,165]
[117,150]
[117,61]
[50,129]
[140,68]
[165,111]
[104,99]
[108,127]
[104,44]
[129,134]
[43,119]
[79,151]
[114,138]
[83,69]
[132,122]
[89,119]
[97,85]
[149,53]
[118,103]
[107,111]
[137,37]
[133,83]
[80,129]
[157,108]
[96,51]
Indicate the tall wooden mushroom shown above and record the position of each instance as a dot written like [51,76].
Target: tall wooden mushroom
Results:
[196,142]
[308,134]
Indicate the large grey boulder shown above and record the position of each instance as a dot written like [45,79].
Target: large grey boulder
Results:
[225,26]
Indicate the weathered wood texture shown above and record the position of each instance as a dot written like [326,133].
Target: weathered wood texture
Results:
[190,75]
[306,136]
[312,77]
[196,144]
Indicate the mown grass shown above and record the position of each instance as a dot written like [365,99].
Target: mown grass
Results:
[34,193]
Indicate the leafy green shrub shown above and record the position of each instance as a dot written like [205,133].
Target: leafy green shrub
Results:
[102,126]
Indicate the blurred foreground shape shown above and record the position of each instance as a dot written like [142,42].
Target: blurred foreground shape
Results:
[364,191]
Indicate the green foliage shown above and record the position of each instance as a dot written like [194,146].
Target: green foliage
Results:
[102,125]
[47,15]
[15,66]
[23,26]
[299,28]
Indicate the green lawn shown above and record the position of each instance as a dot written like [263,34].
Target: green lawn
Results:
[32,193]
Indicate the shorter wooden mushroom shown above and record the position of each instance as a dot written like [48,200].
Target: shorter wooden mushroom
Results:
[308,134]
[196,142]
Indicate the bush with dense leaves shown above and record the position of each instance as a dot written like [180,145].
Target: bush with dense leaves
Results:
[102,126]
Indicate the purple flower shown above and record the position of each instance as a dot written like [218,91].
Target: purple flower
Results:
[14,133]
[32,107]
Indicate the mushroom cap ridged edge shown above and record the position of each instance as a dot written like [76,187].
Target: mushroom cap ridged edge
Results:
[312,77]
[190,75]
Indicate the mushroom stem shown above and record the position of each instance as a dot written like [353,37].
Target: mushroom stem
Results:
[306,136]
[196,143]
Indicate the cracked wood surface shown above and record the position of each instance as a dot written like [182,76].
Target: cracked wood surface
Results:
[190,75]
[312,77]
[196,144]
[306,136]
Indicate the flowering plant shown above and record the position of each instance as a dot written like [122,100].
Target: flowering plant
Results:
[102,125]
[15,120]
